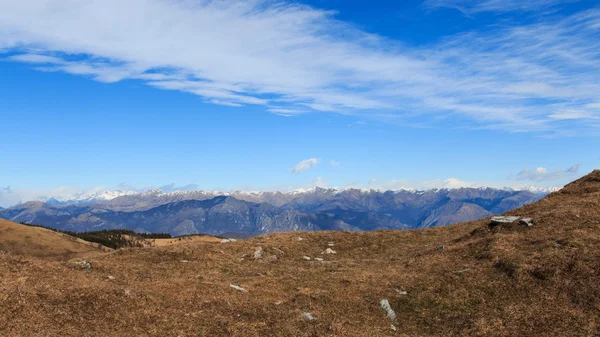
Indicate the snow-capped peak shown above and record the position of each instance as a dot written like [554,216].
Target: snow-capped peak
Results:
[85,197]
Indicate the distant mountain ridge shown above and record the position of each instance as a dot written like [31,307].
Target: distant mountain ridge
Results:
[125,196]
[182,213]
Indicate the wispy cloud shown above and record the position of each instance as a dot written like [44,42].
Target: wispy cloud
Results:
[334,163]
[476,6]
[539,77]
[543,174]
[305,165]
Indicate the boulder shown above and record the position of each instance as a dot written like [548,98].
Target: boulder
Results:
[503,220]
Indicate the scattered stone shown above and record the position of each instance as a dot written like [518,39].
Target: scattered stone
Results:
[331,244]
[111,277]
[238,288]
[385,305]
[330,251]
[441,248]
[127,292]
[198,277]
[319,259]
[401,292]
[185,261]
[527,222]
[279,303]
[300,239]
[258,254]
[308,316]
[503,220]
[228,240]
[80,264]
[393,327]
[306,258]
[272,258]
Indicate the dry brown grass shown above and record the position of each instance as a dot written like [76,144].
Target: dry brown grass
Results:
[507,281]
[39,242]
[174,241]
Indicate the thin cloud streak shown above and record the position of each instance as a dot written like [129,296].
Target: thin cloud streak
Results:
[473,6]
[539,77]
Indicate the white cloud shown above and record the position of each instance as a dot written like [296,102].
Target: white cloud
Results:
[516,77]
[372,181]
[543,174]
[476,6]
[305,165]
[334,163]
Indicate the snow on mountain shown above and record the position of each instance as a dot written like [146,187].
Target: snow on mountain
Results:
[85,197]
[254,196]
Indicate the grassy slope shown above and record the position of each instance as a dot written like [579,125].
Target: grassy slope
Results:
[509,281]
[39,242]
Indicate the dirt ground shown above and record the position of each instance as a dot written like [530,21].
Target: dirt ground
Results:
[462,280]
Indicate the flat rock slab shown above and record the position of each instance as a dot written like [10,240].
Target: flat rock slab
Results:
[503,220]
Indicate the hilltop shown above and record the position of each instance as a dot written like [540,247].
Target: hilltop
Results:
[21,240]
[464,279]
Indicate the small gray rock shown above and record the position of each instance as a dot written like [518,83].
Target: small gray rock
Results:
[238,288]
[308,316]
[80,264]
[385,305]
[258,253]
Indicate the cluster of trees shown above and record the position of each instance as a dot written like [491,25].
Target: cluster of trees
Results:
[115,238]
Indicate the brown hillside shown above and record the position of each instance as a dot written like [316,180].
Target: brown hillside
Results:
[465,279]
[21,240]
[174,241]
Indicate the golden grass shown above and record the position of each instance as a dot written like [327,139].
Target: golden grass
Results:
[174,241]
[39,242]
[505,281]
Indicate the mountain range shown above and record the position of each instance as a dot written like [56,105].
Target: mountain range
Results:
[245,213]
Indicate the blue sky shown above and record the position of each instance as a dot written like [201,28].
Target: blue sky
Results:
[275,95]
